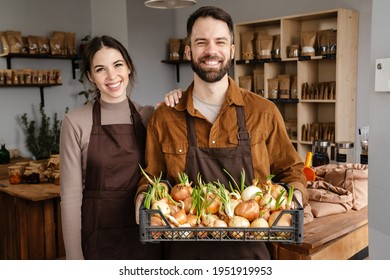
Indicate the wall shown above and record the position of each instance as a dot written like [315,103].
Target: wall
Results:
[30,18]
[379,152]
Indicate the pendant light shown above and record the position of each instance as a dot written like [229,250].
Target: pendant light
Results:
[169,4]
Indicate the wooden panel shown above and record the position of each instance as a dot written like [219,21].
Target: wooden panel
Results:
[30,229]
[34,192]
[337,236]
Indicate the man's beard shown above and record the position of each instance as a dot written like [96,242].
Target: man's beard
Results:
[207,75]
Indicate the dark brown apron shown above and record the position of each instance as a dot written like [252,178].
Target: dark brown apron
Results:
[210,162]
[109,230]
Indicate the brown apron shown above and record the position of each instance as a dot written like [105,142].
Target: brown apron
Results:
[109,230]
[210,162]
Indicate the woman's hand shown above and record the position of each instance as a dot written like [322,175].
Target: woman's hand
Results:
[171,98]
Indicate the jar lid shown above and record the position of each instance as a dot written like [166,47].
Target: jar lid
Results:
[321,143]
[344,145]
[14,167]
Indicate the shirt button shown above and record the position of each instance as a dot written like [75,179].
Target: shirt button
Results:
[180,150]
[213,141]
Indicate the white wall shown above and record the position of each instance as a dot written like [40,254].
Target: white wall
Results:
[379,148]
[40,17]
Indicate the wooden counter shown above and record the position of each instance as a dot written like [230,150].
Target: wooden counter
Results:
[30,221]
[334,237]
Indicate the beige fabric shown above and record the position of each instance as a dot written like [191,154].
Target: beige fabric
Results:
[351,176]
[326,199]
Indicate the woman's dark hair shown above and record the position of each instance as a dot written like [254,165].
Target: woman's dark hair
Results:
[210,11]
[98,43]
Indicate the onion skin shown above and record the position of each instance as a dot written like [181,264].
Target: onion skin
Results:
[237,221]
[251,192]
[284,221]
[214,205]
[180,192]
[259,223]
[248,209]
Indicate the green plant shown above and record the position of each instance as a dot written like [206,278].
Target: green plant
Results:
[43,140]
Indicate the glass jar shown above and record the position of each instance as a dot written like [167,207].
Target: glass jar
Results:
[344,152]
[31,175]
[15,173]
[320,152]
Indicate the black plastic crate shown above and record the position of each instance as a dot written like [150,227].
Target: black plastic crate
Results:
[290,234]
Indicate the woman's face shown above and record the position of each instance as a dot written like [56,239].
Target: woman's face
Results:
[110,73]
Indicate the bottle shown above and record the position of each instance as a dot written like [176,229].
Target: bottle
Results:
[4,154]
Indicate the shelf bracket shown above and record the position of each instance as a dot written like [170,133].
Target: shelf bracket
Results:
[42,96]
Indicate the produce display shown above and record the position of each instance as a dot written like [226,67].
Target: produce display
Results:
[211,211]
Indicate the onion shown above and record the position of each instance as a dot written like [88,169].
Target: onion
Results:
[192,219]
[209,219]
[180,192]
[219,224]
[163,206]
[213,202]
[186,234]
[237,221]
[156,221]
[251,192]
[259,223]
[248,209]
[276,190]
[188,204]
[284,221]
[180,214]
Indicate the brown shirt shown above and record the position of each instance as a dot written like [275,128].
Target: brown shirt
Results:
[272,150]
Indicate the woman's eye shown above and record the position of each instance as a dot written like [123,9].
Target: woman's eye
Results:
[99,69]
[118,64]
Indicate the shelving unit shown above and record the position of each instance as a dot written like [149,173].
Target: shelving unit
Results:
[340,68]
[41,87]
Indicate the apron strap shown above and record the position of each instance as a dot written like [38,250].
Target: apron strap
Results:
[139,128]
[243,135]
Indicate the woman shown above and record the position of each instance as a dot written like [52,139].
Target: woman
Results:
[101,145]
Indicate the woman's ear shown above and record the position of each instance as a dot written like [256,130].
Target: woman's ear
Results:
[90,78]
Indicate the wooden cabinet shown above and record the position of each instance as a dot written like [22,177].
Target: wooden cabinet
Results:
[338,111]
[30,222]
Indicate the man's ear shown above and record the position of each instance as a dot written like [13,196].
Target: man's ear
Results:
[187,51]
[232,50]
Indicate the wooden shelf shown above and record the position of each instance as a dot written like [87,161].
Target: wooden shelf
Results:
[339,68]
[177,64]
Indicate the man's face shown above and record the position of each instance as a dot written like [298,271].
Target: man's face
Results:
[211,49]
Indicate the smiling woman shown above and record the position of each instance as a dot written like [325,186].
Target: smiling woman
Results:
[102,144]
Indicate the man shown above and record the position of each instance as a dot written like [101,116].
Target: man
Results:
[216,126]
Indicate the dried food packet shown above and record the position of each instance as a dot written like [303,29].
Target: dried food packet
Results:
[258,81]
[174,49]
[273,87]
[308,40]
[14,39]
[276,46]
[43,45]
[266,43]
[4,48]
[247,45]
[55,45]
[245,82]
[284,86]
[293,87]
[33,44]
